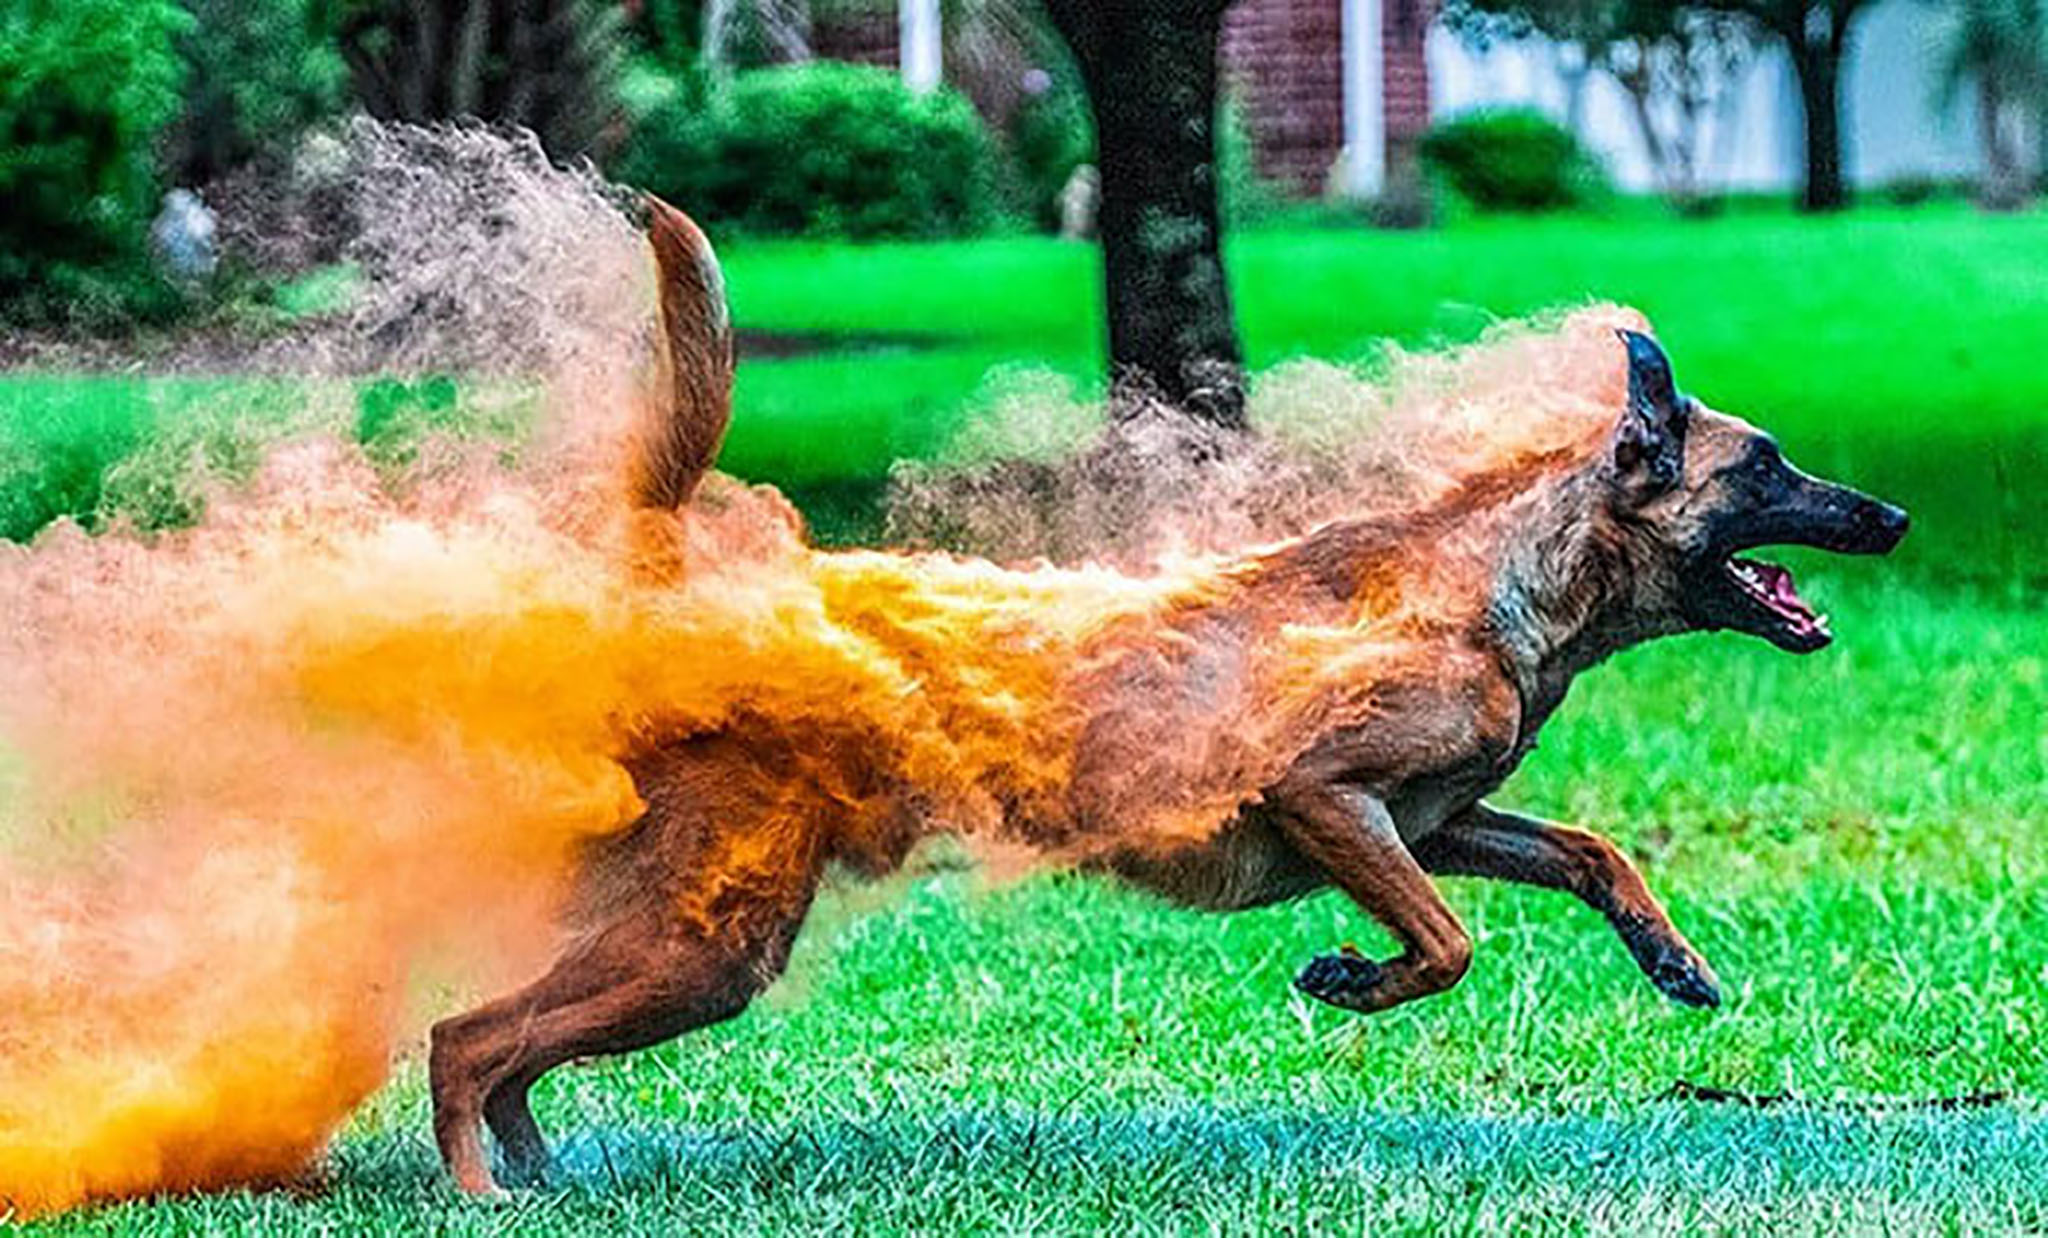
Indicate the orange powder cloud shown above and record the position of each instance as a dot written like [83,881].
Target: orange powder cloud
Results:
[281,770]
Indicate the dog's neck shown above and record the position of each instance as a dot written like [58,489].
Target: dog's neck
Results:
[1569,588]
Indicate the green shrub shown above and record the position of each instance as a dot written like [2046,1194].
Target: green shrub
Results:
[1919,189]
[1244,194]
[668,33]
[192,447]
[1511,159]
[259,72]
[86,86]
[821,148]
[1051,134]
[58,437]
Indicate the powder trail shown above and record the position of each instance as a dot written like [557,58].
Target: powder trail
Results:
[288,776]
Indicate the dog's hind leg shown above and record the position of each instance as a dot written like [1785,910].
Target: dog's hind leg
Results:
[641,980]
[1487,843]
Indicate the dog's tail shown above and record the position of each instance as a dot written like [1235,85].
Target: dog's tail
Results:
[693,395]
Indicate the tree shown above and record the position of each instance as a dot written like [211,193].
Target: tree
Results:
[1816,36]
[1675,64]
[990,47]
[549,65]
[745,33]
[1150,71]
[1675,79]
[671,32]
[258,73]
[87,88]
[1999,47]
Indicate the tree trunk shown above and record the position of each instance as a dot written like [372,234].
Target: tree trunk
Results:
[1638,84]
[547,64]
[1151,75]
[2007,184]
[1818,63]
[2040,118]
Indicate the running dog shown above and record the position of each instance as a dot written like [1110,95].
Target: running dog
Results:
[1331,711]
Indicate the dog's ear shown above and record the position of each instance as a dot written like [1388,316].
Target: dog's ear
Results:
[1649,442]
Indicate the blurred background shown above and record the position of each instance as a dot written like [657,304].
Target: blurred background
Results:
[1804,194]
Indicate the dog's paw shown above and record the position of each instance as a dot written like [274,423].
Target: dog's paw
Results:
[1342,980]
[1687,980]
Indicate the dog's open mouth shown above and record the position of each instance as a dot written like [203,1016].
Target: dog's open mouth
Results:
[1769,587]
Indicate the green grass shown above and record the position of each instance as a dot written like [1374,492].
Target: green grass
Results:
[1208,1171]
[1890,346]
[1853,837]
[1766,304]
[1895,347]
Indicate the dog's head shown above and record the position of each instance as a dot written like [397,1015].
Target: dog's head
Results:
[1699,488]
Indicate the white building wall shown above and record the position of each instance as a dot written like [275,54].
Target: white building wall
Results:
[1756,139]
[1892,100]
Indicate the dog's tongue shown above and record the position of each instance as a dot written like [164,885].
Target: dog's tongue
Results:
[1772,585]
[1781,593]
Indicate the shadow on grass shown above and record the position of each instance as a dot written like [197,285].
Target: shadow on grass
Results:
[1657,1164]
[757,344]
[1657,1168]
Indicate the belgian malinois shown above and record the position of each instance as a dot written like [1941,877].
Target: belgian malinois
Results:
[1536,573]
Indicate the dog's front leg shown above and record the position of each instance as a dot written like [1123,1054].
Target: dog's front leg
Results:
[1351,836]
[1484,842]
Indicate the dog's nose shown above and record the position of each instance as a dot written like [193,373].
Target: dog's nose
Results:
[1882,522]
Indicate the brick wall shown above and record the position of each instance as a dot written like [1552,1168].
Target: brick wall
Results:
[1284,63]
[1405,70]
[861,36]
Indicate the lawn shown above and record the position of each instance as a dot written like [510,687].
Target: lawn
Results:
[1890,346]
[1852,837]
